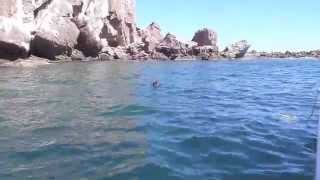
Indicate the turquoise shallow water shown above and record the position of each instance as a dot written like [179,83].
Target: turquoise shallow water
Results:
[224,120]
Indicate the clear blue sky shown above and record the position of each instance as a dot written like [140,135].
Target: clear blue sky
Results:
[266,24]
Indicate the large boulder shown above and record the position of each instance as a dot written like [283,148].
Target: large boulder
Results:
[14,40]
[88,42]
[205,37]
[56,34]
[236,50]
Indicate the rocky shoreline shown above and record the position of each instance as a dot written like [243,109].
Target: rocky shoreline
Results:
[288,54]
[101,30]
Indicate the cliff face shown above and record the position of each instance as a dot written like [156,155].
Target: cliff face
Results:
[99,29]
[15,38]
[123,12]
[62,25]
[8,8]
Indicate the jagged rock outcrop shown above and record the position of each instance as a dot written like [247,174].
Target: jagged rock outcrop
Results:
[95,30]
[112,21]
[236,50]
[59,25]
[152,36]
[171,47]
[205,37]
[90,17]
[207,44]
[122,19]
[206,52]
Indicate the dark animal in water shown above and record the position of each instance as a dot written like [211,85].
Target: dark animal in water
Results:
[156,84]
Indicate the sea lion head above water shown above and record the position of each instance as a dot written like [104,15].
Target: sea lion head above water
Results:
[156,84]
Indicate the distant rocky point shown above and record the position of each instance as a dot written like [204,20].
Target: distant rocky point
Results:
[287,54]
[84,30]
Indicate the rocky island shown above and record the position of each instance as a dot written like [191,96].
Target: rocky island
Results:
[85,30]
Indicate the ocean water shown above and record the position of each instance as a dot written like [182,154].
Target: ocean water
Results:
[223,120]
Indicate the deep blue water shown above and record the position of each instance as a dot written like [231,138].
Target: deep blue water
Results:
[224,120]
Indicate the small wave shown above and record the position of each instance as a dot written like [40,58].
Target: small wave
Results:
[129,110]
[49,151]
[205,144]
[47,130]
[147,171]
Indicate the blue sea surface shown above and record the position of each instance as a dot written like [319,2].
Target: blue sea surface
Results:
[215,120]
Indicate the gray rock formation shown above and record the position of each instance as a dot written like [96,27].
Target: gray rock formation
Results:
[172,47]
[122,18]
[206,52]
[236,50]
[205,37]
[8,8]
[89,16]
[152,36]
[55,34]
[95,30]
[88,42]
[59,25]
[15,37]
[109,21]
[14,40]
[287,54]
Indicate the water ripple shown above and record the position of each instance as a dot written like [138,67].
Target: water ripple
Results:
[208,121]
